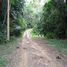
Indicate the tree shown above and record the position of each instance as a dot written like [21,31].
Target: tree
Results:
[65,1]
[16,17]
[32,12]
[53,19]
[15,13]
[0,7]
[8,24]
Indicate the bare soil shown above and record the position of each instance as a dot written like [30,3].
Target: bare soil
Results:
[35,53]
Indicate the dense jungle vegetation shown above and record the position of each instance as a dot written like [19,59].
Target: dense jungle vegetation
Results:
[48,19]
[17,23]
[53,21]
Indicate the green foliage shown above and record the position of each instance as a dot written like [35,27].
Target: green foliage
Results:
[17,24]
[17,21]
[2,62]
[31,12]
[50,35]
[2,37]
[4,8]
[53,19]
[2,24]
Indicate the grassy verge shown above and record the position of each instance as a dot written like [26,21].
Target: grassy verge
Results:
[60,45]
[6,49]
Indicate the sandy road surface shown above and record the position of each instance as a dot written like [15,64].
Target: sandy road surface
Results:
[33,54]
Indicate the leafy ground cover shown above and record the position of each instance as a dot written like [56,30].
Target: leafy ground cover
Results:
[6,49]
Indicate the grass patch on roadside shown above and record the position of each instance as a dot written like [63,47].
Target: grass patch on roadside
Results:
[60,45]
[2,62]
[6,49]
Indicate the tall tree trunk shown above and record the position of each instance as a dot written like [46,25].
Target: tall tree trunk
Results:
[64,1]
[8,13]
[0,7]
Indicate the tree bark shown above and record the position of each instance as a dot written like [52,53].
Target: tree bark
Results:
[64,1]
[0,7]
[8,25]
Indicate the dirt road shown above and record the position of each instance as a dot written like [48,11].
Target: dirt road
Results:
[33,53]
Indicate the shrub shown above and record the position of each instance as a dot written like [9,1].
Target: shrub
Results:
[50,35]
[2,38]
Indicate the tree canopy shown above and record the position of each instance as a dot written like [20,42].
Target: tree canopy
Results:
[16,18]
[47,17]
[53,19]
